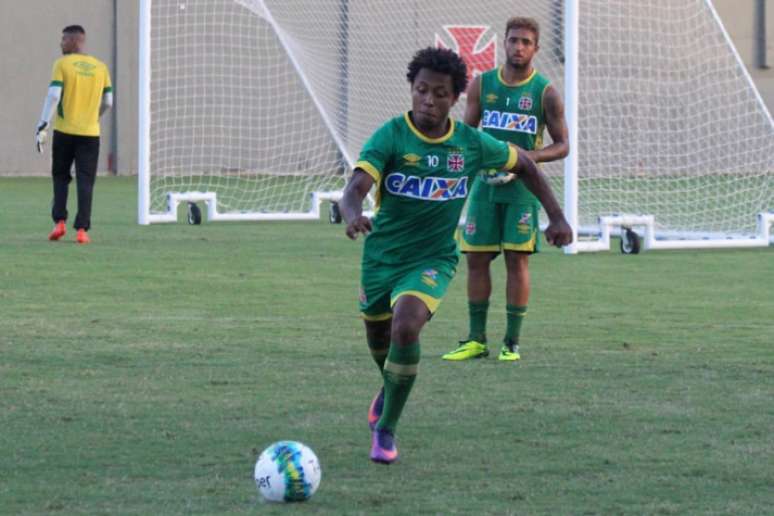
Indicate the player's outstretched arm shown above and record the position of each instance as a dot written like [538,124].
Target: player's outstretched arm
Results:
[558,232]
[351,203]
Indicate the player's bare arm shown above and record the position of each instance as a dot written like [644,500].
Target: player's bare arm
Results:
[557,128]
[351,204]
[558,232]
[473,106]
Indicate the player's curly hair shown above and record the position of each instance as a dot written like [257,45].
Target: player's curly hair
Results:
[440,60]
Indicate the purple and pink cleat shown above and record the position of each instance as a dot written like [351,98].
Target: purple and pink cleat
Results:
[383,449]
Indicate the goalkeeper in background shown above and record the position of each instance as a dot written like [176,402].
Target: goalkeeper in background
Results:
[513,103]
[81,92]
[422,164]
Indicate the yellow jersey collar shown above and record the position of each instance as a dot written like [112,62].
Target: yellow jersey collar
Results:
[427,139]
[516,85]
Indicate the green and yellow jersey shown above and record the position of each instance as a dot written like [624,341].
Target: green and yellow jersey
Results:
[422,184]
[84,79]
[512,113]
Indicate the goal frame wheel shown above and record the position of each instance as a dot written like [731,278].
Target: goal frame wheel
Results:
[630,241]
[194,214]
[334,214]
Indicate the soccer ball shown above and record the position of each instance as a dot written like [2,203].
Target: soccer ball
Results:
[287,471]
[496,177]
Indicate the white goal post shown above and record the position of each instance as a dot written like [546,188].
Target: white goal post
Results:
[678,145]
[258,108]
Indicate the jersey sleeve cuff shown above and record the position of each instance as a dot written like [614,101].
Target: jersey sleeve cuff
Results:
[513,157]
[369,169]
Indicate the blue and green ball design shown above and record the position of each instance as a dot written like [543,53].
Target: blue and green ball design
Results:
[287,456]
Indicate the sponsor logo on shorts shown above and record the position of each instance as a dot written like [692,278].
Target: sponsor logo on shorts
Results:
[470,228]
[427,188]
[429,277]
[505,121]
[362,296]
[523,227]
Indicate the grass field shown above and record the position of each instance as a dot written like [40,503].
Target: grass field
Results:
[143,373]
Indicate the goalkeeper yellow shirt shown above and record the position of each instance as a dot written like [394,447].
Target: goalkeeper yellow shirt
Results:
[84,79]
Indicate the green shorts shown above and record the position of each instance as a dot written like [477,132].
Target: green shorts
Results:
[496,227]
[381,286]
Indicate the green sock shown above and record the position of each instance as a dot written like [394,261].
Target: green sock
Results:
[400,370]
[378,352]
[515,316]
[477,312]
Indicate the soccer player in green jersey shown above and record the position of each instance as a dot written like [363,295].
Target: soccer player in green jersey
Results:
[422,164]
[513,103]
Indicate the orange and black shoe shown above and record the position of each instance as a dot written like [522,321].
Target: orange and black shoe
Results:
[82,237]
[58,232]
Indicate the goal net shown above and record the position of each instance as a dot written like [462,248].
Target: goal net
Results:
[259,107]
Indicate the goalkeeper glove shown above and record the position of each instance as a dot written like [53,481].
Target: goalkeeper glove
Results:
[41,136]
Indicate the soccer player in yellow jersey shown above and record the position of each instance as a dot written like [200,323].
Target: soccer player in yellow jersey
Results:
[80,92]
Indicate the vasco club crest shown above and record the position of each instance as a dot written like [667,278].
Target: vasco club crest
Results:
[455,162]
[468,42]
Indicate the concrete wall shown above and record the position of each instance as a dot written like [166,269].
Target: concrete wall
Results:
[30,34]
[125,82]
